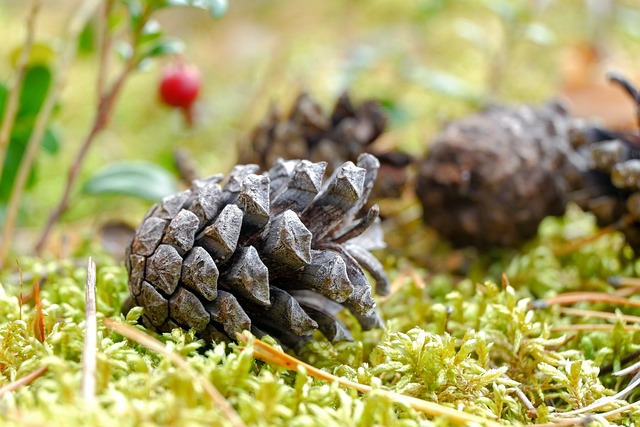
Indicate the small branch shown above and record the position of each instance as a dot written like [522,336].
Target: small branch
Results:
[628,87]
[106,105]
[103,116]
[88,388]
[11,109]
[104,43]
[532,412]
[26,380]
[186,168]
[155,345]
[75,26]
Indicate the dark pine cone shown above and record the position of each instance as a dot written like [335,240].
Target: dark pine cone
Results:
[612,192]
[276,253]
[489,179]
[307,132]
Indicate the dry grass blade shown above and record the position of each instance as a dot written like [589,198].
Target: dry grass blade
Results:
[27,379]
[266,353]
[578,244]
[591,327]
[606,400]
[576,297]
[598,314]
[155,345]
[88,388]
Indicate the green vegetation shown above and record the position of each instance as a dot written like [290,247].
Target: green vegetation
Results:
[505,348]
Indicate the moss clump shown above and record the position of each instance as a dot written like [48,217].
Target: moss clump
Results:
[474,346]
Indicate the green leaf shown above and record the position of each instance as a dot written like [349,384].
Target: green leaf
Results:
[139,179]
[35,87]
[217,8]
[165,46]
[4,94]
[51,141]
[14,154]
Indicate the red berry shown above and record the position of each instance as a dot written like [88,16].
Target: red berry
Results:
[180,85]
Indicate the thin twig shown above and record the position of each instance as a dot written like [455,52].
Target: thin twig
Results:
[532,412]
[11,109]
[106,106]
[104,43]
[88,389]
[155,345]
[266,353]
[76,25]
[27,379]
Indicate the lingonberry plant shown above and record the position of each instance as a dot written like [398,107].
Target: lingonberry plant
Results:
[144,40]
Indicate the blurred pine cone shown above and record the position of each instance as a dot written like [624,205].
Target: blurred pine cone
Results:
[612,192]
[277,253]
[489,179]
[307,132]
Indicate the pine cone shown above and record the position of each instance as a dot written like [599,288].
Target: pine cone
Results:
[612,192]
[309,133]
[276,253]
[489,179]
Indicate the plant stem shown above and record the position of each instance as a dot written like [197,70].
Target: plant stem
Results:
[14,88]
[104,46]
[76,25]
[105,108]
[106,104]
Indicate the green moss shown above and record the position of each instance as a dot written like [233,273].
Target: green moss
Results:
[462,344]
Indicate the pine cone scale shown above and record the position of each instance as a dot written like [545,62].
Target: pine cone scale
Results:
[200,273]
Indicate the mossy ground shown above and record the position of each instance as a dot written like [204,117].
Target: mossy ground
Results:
[458,342]
[466,341]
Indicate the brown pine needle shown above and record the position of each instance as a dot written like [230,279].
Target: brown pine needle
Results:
[38,321]
[153,344]
[578,244]
[623,282]
[26,380]
[267,353]
[88,387]
[591,327]
[598,314]
[575,297]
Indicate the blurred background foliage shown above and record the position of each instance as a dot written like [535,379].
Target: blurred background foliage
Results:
[427,61]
